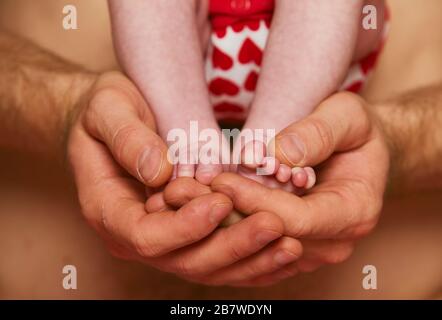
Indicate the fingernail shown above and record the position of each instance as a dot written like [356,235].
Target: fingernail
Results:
[292,148]
[283,257]
[150,164]
[218,212]
[264,237]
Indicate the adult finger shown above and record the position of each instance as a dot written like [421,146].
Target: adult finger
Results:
[156,234]
[316,254]
[272,278]
[226,246]
[114,203]
[182,190]
[272,258]
[314,216]
[340,123]
[327,251]
[156,203]
[118,116]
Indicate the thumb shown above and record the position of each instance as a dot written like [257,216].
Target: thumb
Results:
[118,116]
[340,123]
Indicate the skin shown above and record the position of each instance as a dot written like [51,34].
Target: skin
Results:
[150,51]
[113,203]
[352,197]
[107,132]
[171,81]
[69,241]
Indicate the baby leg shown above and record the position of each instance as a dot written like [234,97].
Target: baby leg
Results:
[306,61]
[159,44]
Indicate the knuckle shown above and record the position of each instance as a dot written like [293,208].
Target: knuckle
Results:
[87,206]
[370,213]
[176,193]
[288,271]
[302,224]
[355,108]
[323,131]
[367,208]
[121,137]
[105,218]
[101,101]
[144,246]
[254,270]
[364,229]
[264,221]
[338,255]
[189,233]
[377,203]
[90,209]
[183,267]
[291,245]
[350,101]
[117,253]
[233,250]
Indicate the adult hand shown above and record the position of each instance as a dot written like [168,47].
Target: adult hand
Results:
[113,134]
[251,249]
[340,137]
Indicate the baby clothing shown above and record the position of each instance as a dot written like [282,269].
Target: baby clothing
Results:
[240,29]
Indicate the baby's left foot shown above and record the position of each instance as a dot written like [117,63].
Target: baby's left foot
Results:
[268,171]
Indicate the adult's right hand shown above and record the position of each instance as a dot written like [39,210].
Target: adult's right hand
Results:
[113,134]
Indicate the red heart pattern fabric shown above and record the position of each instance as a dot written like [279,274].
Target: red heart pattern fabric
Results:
[221,60]
[250,53]
[236,52]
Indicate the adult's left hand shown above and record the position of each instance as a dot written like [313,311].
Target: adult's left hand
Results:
[345,141]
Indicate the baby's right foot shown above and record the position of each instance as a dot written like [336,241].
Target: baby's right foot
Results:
[201,160]
[203,173]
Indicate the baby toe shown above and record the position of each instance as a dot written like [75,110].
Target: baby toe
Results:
[186,170]
[311,177]
[284,173]
[252,155]
[205,173]
[299,177]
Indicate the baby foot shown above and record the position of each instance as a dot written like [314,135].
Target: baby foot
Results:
[200,160]
[203,173]
[268,171]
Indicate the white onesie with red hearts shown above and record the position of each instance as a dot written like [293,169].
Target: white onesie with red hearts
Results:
[240,29]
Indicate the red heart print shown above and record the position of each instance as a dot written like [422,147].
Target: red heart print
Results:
[221,60]
[355,87]
[251,81]
[228,107]
[221,86]
[250,53]
[368,63]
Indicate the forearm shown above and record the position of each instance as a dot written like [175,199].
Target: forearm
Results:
[310,48]
[413,127]
[159,47]
[38,91]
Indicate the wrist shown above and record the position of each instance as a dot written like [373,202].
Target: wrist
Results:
[394,127]
[75,91]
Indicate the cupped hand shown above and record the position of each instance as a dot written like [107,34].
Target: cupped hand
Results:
[115,153]
[241,252]
[343,140]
